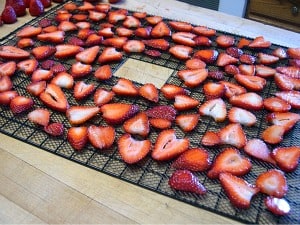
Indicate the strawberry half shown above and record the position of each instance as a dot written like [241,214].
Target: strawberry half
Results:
[168,146]
[124,32]
[20,104]
[149,92]
[205,31]
[202,41]
[216,75]
[7,96]
[103,72]
[292,97]
[139,124]
[252,83]
[184,38]
[162,112]
[125,87]
[181,52]
[293,53]
[77,137]
[132,46]
[101,137]
[54,129]
[232,89]
[215,108]
[225,59]
[264,71]
[131,22]
[246,69]
[79,69]
[242,116]
[143,32]
[280,53]
[133,150]
[116,42]
[67,50]
[28,32]
[184,102]
[275,104]
[249,100]
[225,41]
[187,122]
[286,83]
[193,78]
[88,55]
[103,96]
[25,42]
[266,59]
[290,71]
[287,158]
[181,26]
[278,206]
[28,66]
[83,90]
[13,53]
[195,64]
[233,134]
[258,149]
[213,90]
[171,90]
[80,114]
[39,116]
[8,68]
[53,37]
[41,74]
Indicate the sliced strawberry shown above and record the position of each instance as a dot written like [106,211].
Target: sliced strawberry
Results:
[39,116]
[181,26]
[217,75]
[13,53]
[264,71]
[82,90]
[93,39]
[63,80]
[273,134]
[292,97]
[210,138]
[63,16]
[75,41]
[290,71]
[193,78]
[80,114]
[168,146]
[101,137]
[184,102]
[206,55]
[239,191]
[287,158]
[161,44]
[232,89]
[233,134]
[28,66]
[86,6]
[247,59]
[143,32]
[184,180]
[272,183]
[79,69]
[184,38]
[106,32]
[83,25]
[67,26]
[249,100]
[286,83]
[181,52]
[103,72]
[140,15]
[29,31]
[131,22]
[225,41]
[225,59]
[266,59]
[162,112]
[231,69]
[54,129]
[43,52]
[124,32]
[246,69]
[117,113]
[293,53]
[280,53]
[41,74]
[205,31]
[96,16]
[259,42]
[195,64]
[234,52]
[152,53]
[160,30]
[160,123]
[116,16]
[25,42]
[103,96]
[125,87]
[116,42]
[36,88]
[202,41]
[88,55]
[134,46]
[153,20]
[8,68]
[58,68]
[171,90]
[285,119]
[70,6]
[110,54]
[275,104]
[67,50]
[243,42]
[187,122]
[133,150]
[278,206]
[5,83]
[215,108]
[49,29]
[213,90]
[139,124]
[252,83]
[84,33]
[149,92]
[242,116]
[20,104]
[54,98]
[53,37]
[103,7]
[77,137]
[7,96]
[258,149]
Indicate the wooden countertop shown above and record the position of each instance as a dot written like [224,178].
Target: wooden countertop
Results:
[39,187]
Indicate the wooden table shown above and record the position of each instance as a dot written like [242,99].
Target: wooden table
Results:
[39,187]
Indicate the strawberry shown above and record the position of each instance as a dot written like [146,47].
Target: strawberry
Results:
[290,71]
[139,124]
[252,83]
[43,52]
[184,180]
[239,191]
[36,8]
[117,113]
[67,50]
[109,54]
[286,83]
[39,116]
[259,150]
[88,55]
[184,102]
[149,92]
[210,138]
[83,25]
[152,53]
[103,72]
[162,112]
[278,206]
[184,38]
[9,15]
[160,30]
[273,134]
[168,146]
[285,119]
[45,22]
[294,62]
[86,6]
[70,6]
[243,42]
[54,129]
[103,7]
[101,137]
[8,68]
[153,20]
[213,90]
[217,75]
[25,42]
[116,42]
[54,98]
[29,31]
[160,43]
[20,104]
[47,64]
[214,108]
[106,32]
[96,16]
[225,59]
[171,90]
[233,134]
[134,46]
[242,116]
[230,161]
[280,53]
[202,41]
[125,87]
[246,69]
[264,71]
[77,137]
[225,41]
[18,6]
[249,100]
[55,37]
[205,31]
[67,26]
[287,158]
[195,64]
[195,159]
[259,42]
[80,114]
[276,104]
[231,69]
[234,52]
[13,53]
[36,88]
[272,183]
[206,55]
[79,69]
[75,41]
[160,123]
[28,66]
[181,26]
[131,22]
[247,59]
[7,96]
[82,90]
[50,29]
[292,97]
[63,80]
[187,122]
[266,59]
[84,33]
[140,15]
[232,89]
[58,68]
[193,78]
[103,96]
[143,32]
[93,39]
[115,16]
[41,74]
[293,53]
[5,83]
[133,150]
[124,32]
[63,16]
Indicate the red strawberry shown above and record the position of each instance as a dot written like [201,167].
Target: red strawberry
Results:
[110,54]
[9,15]
[83,25]
[231,69]
[75,41]
[13,53]
[287,158]
[20,104]
[213,90]
[139,124]
[54,98]
[239,191]
[266,59]
[18,6]
[181,52]
[117,113]
[272,183]
[160,30]
[252,83]
[25,42]
[46,3]
[58,68]
[101,137]
[63,80]
[79,69]
[41,74]
[153,20]
[54,129]
[86,6]
[84,33]
[264,71]
[103,96]
[195,64]
[125,87]
[63,16]
[225,59]
[184,180]
[249,100]
[67,26]
[285,119]
[116,42]
[83,90]
[181,26]
[88,55]
[280,53]
[115,16]
[124,32]
[184,102]
[242,116]
[286,83]
[187,122]
[96,16]
[243,42]
[273,134]
[259,42]
[234,52]
[29,31]
[184,38]
[103,72]
[67,50]
[131,22]
[193,78]
[293,53]
[133,150]
[171,90]
[139,15]
[247,59]
[205,31]
[106,32]
[206,55]
[77,137]
[93,39]
[103,7]
[50,29]
[47,64]
[246,69]
[7,96]
[225,41]
[149,92]
[276,104]
[53,37]
[162,112]
[210,138]
[160,123]
[195,159]
[36,8]
[36,88]
[161,44]
[232,89]
[230,161]
[290,71]
[292,97]
[202,41]
[152,53]
[258,149]
[8,68]
[43,52]
[80,114]
[134,46]
[277,206]
[143,32]
[28,66]
[39,116]
[217,75]
[233,134]
[5,83]
[214,108]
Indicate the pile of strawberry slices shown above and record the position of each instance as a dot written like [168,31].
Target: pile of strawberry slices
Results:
[92,37]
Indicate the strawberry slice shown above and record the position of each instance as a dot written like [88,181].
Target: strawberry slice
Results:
[280,53]
[63,16]
[195,159]
[83,90]
[132,46]
[275,104]
[67,26]
[160,30]
[92,40]
[225,41]
[106,32]
[152,53]
[101,137]
[266,59]
[20,104]
[193,78]
[143,32]
[206,55]
[116,42]
[233,134]
[109,54]
[243,42]
[103,72]
[28,66]
[264,71]
[273,134]
[79,70]
[292,97]
[86,6]
[286,83]
[285,119]
[58,68]
[7,96]
[39,116]
[54,129]
[77,137]
[239,191]
[249,100]
[216,75]
[195,64]
[149,92]
[70,6]
[103,96]
[215,108]
[184,38]
[231,69]
[63,80]
[75,41]
[231,161]
[171,90]
[117,113]
[225,59]
[53,37]
[125,87]
[181,52]
[80,114]
[246,69]
[278,206]
[50,29]
[160,123]
[124,32]
[139,124]
[287,158]
[293,53]
[259,42]
[232,89]
[88,55]
[160,44]
[184,180]
[36,88]
[28,32]
[205,31]
[41,74]
[8,68]
[202,41]
[184,102]
[272,183]
[54,98]
[162,112]
[242,116]
[234,52]
[67,50]
[43,52]
[153,20]
[115,16]
[96,16]
[25,42]
[140,15]
[259,150]
[290,71]
[133,150]
[13,53]
[187,122]
[252,83]
[5,83]
[181,26]
[131,22]
[210,138]
[103,7]
[213,90]
[247,59]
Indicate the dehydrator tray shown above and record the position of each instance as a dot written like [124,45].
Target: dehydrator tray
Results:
[148,173]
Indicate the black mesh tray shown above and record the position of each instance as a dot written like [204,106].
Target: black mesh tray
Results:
[148,173]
